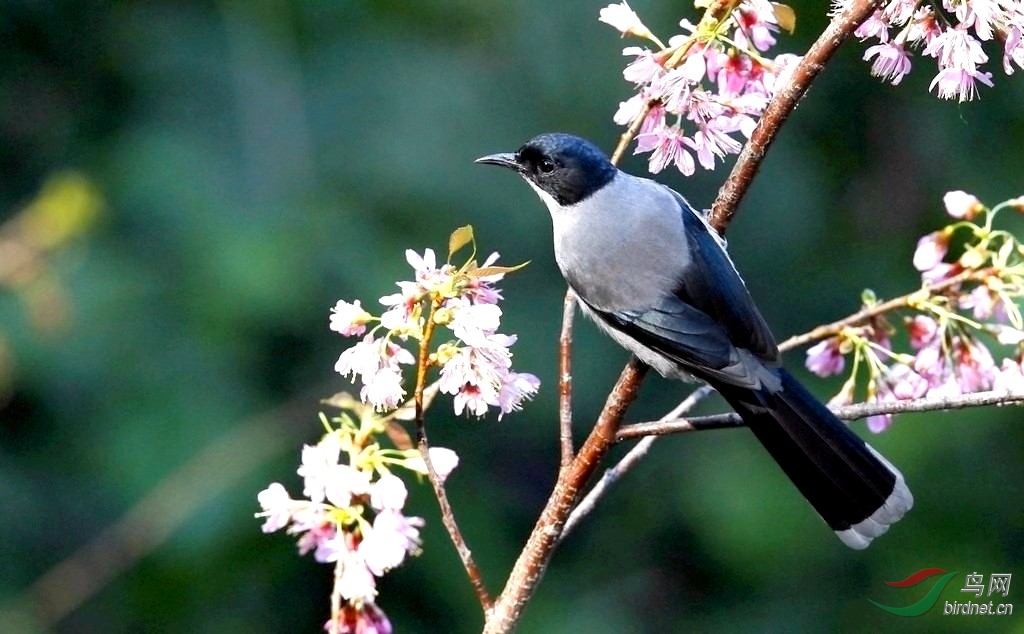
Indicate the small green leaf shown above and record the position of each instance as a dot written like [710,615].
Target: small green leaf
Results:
[495,270]
[459,238]
[785,16]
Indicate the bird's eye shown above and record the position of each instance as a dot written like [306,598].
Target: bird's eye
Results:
[546,166]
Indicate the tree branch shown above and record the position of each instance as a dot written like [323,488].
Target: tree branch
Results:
[628,461]
[904,301]
[565,378]
[779,108]
[447,515]
[846,412]
[533,560]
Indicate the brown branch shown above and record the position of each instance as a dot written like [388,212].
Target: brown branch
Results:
[632,457]
[447,515]
[533,560]
[779,109]
[904,301]
[846,412]
[565,378]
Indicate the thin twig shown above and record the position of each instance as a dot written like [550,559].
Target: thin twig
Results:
[627,137]
[779,108]
[632,457]
[904,301]
[533,560]
[447,515]
[846,412]
[565,378]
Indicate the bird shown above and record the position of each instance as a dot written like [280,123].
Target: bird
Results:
[651,272]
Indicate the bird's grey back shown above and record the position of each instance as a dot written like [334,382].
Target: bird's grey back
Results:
[631,225]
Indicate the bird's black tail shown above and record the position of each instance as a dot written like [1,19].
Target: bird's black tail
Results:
[854,489]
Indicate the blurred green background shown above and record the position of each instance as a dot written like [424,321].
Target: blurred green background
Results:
[250,163]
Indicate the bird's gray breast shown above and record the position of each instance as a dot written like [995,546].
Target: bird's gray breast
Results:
[624,247]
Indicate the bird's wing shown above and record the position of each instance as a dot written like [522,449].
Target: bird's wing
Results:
[709,324]
[711,284]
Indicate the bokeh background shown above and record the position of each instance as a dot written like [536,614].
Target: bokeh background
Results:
[205,179]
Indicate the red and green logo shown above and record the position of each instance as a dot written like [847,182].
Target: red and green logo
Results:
[928,600]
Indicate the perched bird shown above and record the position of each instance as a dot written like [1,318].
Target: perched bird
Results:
[650,271]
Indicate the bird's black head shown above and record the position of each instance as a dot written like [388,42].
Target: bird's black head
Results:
[562,165]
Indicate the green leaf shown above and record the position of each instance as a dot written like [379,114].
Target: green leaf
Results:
[495,270]
[459,238]
[785,16]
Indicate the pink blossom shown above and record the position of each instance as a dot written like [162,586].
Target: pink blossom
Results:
[930,362]
[785,64]
[875,26]
[377,365]
[668,146]
[319,464]
[1009,336]
[982,300]
[824,358]
[316,536]
[922,330]
[474,399]
[959,204]
[392,537]
[906,383]
[955,48]
[630,109]
[955,82]
[515,388]
[878,423]
[758,23]
[924,27]
[975,366]
[356,582]
[674,88]
[732,72]
[941,271]
[480,290]
[349,319]
[900,11]
[892,62]
[709,143]
[1013,49]
[362,617]
[444,462]
[424,266]
[624,20]
[468,367]
[948,387]
[930,250]
[384,389]
[472,323]
[1010,377]
[644,69]
[362,359]
[403,314]
[388,492]
[979,14]
[324,477]
[276,505]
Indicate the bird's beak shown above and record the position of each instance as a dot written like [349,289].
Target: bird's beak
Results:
[504,160]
